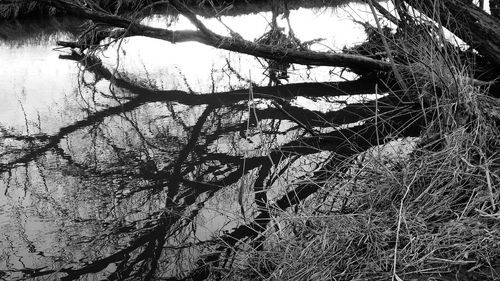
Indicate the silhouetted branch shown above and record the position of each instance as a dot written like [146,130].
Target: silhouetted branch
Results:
[281,54]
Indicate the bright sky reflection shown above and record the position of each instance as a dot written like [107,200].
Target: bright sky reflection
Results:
[33,76]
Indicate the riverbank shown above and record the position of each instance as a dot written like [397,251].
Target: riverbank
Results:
[22,20]
[400,183]
[20,9]
[428,215]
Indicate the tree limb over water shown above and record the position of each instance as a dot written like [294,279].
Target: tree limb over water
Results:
[205,36]
[486,27]
[361,86]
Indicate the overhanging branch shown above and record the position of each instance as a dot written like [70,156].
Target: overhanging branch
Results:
[282,54]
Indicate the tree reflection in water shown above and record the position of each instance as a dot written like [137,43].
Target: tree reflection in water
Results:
[149,185]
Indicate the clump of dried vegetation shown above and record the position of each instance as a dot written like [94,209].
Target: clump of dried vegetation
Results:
[431,214]
[419,209]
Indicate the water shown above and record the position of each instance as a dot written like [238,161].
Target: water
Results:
[100,180]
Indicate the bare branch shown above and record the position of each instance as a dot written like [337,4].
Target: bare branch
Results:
[281,54]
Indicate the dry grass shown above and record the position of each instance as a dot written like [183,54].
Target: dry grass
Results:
[432,214]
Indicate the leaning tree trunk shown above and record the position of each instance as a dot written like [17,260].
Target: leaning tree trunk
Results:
[473,25]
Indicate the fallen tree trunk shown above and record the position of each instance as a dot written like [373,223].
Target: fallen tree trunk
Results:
[205,36]
[361,86]
[473,25]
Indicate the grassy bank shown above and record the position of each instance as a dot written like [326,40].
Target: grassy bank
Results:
[419,209]
[430,214]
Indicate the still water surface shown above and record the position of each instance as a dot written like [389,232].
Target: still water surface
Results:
[97,183]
